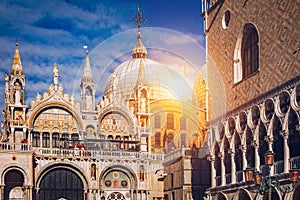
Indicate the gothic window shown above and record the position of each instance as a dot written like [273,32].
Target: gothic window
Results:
[36,139]
[55,140]
[170,121]
[182,123]
[46,140]
[157,139]
[250,52]
[157,122]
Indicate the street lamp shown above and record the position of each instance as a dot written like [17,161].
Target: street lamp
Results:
[265,185]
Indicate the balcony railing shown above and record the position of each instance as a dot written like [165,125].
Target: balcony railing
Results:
[80,153]
[97,154]
[4,146]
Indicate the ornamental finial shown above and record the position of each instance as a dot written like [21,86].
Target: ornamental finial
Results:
[139,19]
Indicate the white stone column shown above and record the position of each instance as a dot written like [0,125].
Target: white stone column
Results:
[233,167]
[269,139]
[41,140]
[244,149]
[1,192]
[50,135]
[211,159]
[256,156]
[223,170]
[286,153]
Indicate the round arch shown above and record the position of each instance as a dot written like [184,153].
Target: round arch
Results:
[126,114]
[61,181]
[47,105]
[125,169]
[69,166]
[18,168]
[13,180]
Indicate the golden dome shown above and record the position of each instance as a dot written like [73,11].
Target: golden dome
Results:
[142,72]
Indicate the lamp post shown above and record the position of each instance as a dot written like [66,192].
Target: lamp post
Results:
[265,185]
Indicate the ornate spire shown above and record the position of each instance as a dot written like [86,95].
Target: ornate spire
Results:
[139,50]
[87,72]
[141,75]
[55,78]
[17,66]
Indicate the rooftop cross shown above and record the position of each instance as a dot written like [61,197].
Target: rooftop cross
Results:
[139,19]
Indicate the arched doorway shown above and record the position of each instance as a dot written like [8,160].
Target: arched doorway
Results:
[120,182]
[61,183]
[14,181]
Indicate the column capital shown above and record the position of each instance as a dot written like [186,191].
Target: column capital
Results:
[269,139]
[211,158]
[284,134]
[221,155]
[243,148]
[255,144]
[231,151]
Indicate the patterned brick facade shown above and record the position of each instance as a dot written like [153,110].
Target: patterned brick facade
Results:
[277,23]
[253,111]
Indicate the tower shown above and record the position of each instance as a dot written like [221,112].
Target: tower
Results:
[14,124]
[88,98]
[141,90]
[87,86]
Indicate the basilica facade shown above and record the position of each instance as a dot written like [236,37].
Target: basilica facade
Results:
[127,145]
[254,47]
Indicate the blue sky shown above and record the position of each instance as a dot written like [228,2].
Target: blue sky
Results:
[55,31]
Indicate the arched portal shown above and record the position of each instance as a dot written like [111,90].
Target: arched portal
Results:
[61,183]
[118,182]
[13,181]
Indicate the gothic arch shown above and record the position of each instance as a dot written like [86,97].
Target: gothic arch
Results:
[282,103]
[267,110]
[295,98]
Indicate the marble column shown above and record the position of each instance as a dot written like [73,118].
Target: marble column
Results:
[244,149]
[1,192]
[233,167]
[211,159]
[223,171]
[256,155]
[286,152]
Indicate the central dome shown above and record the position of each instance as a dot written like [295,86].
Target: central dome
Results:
[140,72]
[162,82]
